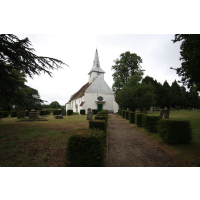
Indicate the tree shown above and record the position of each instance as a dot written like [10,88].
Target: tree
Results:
[18,55]
[136,95]
[125,67]
[190,56]
[55,104]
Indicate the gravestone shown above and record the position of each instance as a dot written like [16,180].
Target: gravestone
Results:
[20,112]
[161,113]
[33,115]
[89,114]
[166,114]
[151,110]
[59,117]
[154,109]
[63,112]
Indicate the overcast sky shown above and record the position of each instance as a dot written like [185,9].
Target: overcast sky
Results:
[157,51]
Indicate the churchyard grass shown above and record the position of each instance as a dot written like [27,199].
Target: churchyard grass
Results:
[37,143]
[188,154]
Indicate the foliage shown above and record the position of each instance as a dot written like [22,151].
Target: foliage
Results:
[4,113]
[102,117]
[86,148]
[138,118]
[17,60]
[98,124]
[94,111]
[136,95]
[55,104]
[69,112]
[82,112]
[190,57]
[13,114]
[57,112]
[26,113]
[132,117]
[123,113]
[151,123]
[127,115]
[175,131]
[126,66]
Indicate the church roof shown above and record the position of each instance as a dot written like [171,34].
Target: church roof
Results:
[96,64]
[80,92]
[99,86]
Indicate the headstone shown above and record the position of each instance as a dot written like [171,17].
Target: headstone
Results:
[89,114]
[20,112]
[63,112]
[33,115]
[161,113]
[166,114]
[154,109]
[127,109]
[59,117]
[178,108]
[151,110]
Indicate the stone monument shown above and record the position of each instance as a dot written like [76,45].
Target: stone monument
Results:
[161,113]
[166,114]
[151,110]
[89,114]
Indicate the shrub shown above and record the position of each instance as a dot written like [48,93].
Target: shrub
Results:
[127,115]
[55,112]
[4,113]
[26,113]
[132,117]
[13,114]
[98,124]
[82,112]
[86,148]
[151,123]
[101,117]
[94,111]
[42,112]
[138,119]
[175,131]
[69,112]
[120,112]
[123,113]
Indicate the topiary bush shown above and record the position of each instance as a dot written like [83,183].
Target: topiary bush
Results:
[86,148]
[4,113]
[101,117]
[120,112]
[55,112]
[94,111]
[82,112]
[175,131]
[27,113]
[42,112]
[69,112]
[123,113]
[127,115]
[132,117]
[13,114]
[138,119]
[98,124]
[151,123]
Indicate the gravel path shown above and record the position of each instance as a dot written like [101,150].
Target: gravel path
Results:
[128,148]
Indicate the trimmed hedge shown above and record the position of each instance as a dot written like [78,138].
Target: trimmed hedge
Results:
[13,114]
[42,112]
[151,123]
[69,112]
[132,117]
[123,113]
[127,115]
[98,124]
[120,112]
[86,148]
[101,117]
[4,113]
[55,112]
[138,119]
[82,112]
[27,113]
[94,111]
[175,131]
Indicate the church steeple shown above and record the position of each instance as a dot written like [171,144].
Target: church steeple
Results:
[96,69]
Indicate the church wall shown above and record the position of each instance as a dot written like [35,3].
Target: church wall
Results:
[90,99]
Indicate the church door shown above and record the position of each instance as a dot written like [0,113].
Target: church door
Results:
[100,107]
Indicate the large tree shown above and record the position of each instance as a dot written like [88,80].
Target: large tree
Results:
[16,54]
[125,67]
[55,104]
[190,57]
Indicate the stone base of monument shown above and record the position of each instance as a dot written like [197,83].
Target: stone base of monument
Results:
[58,117]
[33,115]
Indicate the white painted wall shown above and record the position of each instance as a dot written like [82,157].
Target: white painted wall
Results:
[90,99]
[115,107]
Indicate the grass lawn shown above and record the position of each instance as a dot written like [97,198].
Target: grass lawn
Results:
[188,154]
[36,143]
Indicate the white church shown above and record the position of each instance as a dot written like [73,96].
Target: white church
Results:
[96,94]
